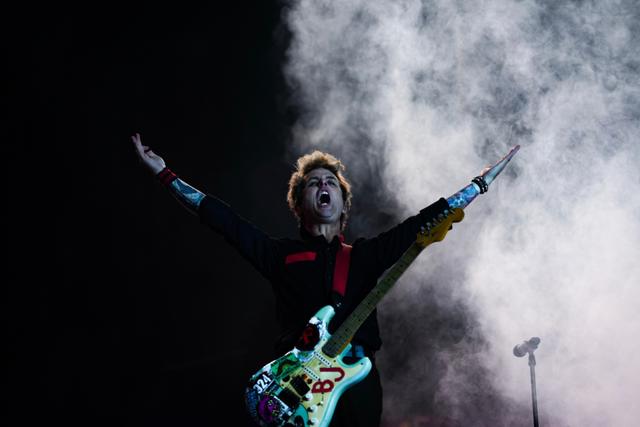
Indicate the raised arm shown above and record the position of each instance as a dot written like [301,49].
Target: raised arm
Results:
[254,245]
[188,196]
[480,184]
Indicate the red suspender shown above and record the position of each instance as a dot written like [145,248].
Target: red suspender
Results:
[341,272]
[300,256]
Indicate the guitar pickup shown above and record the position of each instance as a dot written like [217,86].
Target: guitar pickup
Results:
[300,385]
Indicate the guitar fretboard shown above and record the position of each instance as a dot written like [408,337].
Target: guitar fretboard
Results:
[347,330]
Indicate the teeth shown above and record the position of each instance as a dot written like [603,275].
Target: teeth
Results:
[324,195]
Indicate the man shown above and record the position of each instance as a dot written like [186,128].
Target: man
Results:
[304,271]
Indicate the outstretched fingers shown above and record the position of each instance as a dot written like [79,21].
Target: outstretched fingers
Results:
[137,142]
[141,149]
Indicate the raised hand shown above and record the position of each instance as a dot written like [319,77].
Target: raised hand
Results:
[150,159]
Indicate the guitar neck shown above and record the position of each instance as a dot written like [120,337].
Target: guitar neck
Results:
[347,330]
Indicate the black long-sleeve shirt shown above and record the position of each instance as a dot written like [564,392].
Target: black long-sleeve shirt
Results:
[301,271]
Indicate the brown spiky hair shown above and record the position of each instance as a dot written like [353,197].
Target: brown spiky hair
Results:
[307,163]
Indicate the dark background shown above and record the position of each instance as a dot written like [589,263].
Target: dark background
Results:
[146,317]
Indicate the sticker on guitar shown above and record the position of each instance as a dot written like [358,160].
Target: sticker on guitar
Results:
[262,383]
[309,338]
[325,386]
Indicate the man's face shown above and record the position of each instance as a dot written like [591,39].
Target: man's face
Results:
[321,198]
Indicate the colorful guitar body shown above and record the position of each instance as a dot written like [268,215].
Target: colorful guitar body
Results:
[303,387]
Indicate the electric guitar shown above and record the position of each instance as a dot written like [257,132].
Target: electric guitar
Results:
[302,387]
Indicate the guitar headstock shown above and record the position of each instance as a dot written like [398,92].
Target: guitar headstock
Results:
[435,231]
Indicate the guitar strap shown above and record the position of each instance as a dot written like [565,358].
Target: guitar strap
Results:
[341,271]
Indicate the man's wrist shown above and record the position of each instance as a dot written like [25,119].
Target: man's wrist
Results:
[166,176]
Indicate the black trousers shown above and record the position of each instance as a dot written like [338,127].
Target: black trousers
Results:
[360,405]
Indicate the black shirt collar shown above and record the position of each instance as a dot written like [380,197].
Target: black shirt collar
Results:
[320,239]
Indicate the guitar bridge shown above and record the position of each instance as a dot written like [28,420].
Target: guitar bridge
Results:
[289,398]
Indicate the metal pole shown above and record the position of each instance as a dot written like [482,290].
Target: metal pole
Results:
[528,347]
[534,398]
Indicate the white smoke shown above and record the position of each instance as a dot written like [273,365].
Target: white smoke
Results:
[431,92]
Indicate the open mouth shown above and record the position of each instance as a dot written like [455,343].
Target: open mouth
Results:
[324,198]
